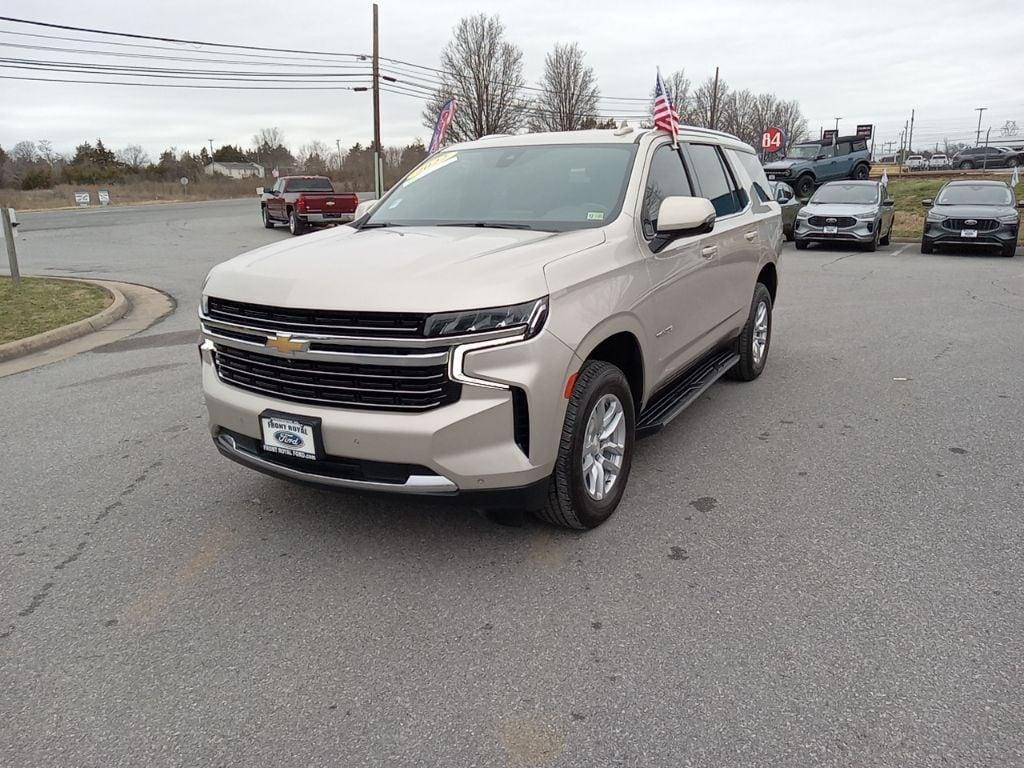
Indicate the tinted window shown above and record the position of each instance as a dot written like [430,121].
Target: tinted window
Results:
[843,148]
[666,178]
[550,187]
[838,192]
[715,183]
[756,173]
[860,146]
[309,185]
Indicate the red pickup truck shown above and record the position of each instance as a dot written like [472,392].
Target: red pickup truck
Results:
[302,202]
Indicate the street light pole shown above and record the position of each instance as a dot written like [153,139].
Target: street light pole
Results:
[837,126]
[337,143]
[211,149]
[977,139]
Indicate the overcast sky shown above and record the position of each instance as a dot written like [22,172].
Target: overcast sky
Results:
[867,61]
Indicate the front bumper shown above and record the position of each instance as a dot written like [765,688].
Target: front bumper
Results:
[940,235]
[466,447]
[861,232]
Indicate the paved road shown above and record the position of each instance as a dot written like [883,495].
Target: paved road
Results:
[821,568]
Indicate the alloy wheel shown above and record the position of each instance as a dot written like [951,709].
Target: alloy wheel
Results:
[604,446]
[759,340]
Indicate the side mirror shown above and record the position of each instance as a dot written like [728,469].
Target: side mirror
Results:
[680,215]
[1020,203]
[928,203]
[821,157]
[888,203]
[783,196]
[364,208]
[259,191]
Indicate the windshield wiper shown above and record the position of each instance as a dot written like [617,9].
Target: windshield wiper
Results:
[486,225]
[378,225]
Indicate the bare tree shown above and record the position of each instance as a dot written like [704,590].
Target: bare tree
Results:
[134,156]
[485,73]
[24,152]
[268,144]
[569,91]
[314,157]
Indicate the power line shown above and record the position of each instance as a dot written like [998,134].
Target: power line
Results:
[132,36]
[145,70]
[185,85]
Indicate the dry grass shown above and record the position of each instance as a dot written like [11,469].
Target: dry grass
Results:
[63,195]
[38,304]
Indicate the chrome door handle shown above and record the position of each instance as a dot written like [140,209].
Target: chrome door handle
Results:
[751,236]
[709,251]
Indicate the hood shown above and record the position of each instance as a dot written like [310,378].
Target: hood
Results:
[781,165]
[840,209]
[973,211]
[402,269]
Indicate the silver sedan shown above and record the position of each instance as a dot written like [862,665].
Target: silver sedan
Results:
[858,212]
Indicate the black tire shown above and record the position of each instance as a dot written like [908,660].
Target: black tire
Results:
[1009,249]
[1013,162]
[801,245]
[873,245]
[267,221]
[296,225]
[966,165]
[805,185]
[569,504]
[885,238]
[927,246]
[750,367]
[861,172]
[788,235]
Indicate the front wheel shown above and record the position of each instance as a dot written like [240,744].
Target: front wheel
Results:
[801,245]
[872,246]
[296,225]
[805,186]
[966,165]
[1009,249]
[755,338]
[927,246]
[267,222]
[596,449]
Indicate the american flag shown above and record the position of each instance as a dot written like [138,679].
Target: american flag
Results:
[665,116]
[441,127]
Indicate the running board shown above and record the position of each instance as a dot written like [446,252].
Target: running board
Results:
[672,401]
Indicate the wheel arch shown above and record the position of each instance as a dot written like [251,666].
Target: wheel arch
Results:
[769,277]
[618,342]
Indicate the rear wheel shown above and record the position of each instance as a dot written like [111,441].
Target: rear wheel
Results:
[805,185]
[861,172]
[755,339]
[966,165]
[267,222]
[596,449]
[296,225]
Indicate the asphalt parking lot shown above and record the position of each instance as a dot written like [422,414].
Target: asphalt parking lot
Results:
[820,568]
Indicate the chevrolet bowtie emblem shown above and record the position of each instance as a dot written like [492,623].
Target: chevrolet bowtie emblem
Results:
[285,344]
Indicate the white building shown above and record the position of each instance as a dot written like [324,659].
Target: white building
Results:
[235,170]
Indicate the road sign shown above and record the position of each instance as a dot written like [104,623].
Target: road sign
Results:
[184,181]
[865,131]
[83,198]
[771,140]
[104,196]
[829,135]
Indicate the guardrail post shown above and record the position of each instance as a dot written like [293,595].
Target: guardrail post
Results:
[12,254]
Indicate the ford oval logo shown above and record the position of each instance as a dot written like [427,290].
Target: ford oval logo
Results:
[289,438]
[971,221]
[830,221]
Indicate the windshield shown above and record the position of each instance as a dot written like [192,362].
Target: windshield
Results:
[554,187]
[975,194]
[862,194]
[806,151]
[309,185]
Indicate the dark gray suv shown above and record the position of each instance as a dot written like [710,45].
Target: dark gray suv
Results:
[972,213]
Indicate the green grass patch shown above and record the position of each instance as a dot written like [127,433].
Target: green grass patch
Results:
[38,304]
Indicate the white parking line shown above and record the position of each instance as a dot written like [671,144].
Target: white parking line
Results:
[900,250]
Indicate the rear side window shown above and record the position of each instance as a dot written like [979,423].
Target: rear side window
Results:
[755,172]
[309,185]
[843,148]
[714,181]
[860,146]
[667,178]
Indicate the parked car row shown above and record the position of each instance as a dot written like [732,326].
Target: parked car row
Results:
[966,159]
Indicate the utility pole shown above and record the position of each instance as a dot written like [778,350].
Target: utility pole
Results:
[837,126]
[211,149]
[337,143]
[977,139]
[378,180]
[12,254]
[714,103]
[910,141]
[984,161]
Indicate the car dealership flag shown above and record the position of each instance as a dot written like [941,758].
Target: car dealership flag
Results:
[1015,176]
[665,116]
[444,120]
[885,178]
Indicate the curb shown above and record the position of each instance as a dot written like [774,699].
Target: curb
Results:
[117,309]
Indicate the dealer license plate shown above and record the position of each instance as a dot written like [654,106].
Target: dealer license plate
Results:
[290,435]
[771,177]
[831,230]
[968,233]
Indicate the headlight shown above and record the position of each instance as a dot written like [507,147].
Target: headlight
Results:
[935,217]
[802,214]
[1010,218]
[530,316]
[865,216]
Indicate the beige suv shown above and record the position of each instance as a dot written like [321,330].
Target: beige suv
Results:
[503,325]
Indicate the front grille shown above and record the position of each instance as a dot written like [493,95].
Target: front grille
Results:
[316,321]
[982,225]
[338,385]
[832,221]
[777,173]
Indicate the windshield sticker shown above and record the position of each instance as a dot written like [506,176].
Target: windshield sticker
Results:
[430,165]
[595,216]
[395,204]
